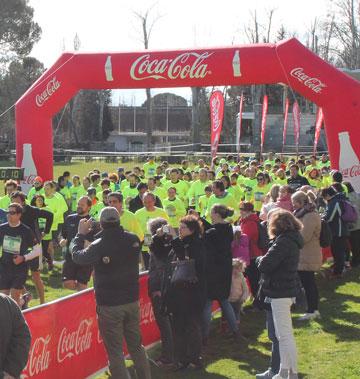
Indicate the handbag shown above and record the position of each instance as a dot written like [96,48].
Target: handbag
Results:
[184,271]
[259,299]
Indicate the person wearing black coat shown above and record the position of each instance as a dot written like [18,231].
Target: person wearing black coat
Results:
[15,338]
[218,238]
[160,248]
[115,257]
[279,287]
[295,181]
[186,302]
[136,203]
[339,228]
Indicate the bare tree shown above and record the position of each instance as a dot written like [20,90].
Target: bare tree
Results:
[327,29]
[252,30]
[147,20]
[281,33]
[346,31]
[270,17]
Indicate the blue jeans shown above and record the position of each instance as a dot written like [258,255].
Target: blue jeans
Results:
[227,311]
[275,352]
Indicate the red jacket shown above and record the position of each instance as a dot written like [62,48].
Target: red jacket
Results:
[248,226]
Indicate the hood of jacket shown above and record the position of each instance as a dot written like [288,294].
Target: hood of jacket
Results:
[294,236]
[224,229]
[252,217]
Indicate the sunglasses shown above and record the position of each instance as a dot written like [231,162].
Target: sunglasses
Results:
[260,179]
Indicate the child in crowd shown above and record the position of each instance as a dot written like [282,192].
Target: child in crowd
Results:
[240,246]
[239,292]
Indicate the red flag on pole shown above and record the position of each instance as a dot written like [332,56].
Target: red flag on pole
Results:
[263,120]
[240,122]
[216,115]
[286,113]
[318,124]
[296,117]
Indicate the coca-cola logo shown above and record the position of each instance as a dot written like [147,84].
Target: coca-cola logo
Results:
[146,312]
[39,357]
[215,109]
[315,84]
[52,86]
[30,179]
[351,172]
[184,66]
[75,342]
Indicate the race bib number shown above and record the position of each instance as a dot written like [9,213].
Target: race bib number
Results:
[171,211]
[258,196]
[147,239]
[151,172]
[42,223]
[72,244]
[12,245]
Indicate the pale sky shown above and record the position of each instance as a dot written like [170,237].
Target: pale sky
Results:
[109,25]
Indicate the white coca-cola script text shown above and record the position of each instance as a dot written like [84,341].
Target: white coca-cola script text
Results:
[39,357]
[146,312]
[315,84]
[351,172]
[52,86]
[215,109]
[184,66]
[29,179]
[74,342]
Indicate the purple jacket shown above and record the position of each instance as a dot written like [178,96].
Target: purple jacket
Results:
[241,249]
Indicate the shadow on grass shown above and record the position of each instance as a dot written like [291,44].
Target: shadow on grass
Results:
[336,317]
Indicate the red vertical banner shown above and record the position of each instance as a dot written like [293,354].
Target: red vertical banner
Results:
[240,122]
[296,117]
[318,124]
[286,114]
[263,121]
[216,115]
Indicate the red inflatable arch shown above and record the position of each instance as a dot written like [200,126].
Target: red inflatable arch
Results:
[286,62]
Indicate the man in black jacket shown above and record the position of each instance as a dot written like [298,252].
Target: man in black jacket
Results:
[137,203]
[295,180]
[14,339]
[115,257]
[74,276]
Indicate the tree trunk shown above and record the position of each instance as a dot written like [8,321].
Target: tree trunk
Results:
[101,115]
[148,120]
[195,118]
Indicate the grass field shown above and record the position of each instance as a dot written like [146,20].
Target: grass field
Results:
[82,168]
[329,348]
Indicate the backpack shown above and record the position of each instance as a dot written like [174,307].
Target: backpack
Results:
[349,213]
[325,234]
[263,240]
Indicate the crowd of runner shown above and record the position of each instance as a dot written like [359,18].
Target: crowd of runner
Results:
[238,198]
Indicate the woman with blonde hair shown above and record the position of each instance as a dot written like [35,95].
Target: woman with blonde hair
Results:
[310,255]
[279,286]
[270,204]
